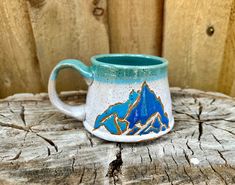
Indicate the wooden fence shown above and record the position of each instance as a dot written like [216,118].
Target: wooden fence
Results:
[197,37]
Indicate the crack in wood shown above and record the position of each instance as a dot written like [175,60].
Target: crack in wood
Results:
[189,115]
[189,147]
[115,166]
[212,110]
[193,133]
[5,117]
[95,174]
[200,130]
[204,175]
[82,175]
[27,129]
[166,163]
[200,126]
[228,131]
[217,140]
[172,144]
[218,119]
[212,101]
[134,172]
[22,114]
[48,141]
[48,151]
[167,166]
[11,110]
[168,178]
[90,139]
[141,159]
[149,154]
[221,155]
[217,173]
[195,99]
[73,162]
[175,161]
[189,177]
[185,105]
[200,110]
[200,145]
[26,133]
[17,156]
[186,157]
[163,149]
[44,119]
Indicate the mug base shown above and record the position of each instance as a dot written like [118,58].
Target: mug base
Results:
[127,138]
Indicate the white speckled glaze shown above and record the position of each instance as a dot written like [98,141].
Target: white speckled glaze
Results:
[109,94]
[103,94]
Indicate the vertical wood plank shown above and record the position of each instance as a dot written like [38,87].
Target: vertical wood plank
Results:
[227,74]
[68,29]
[135,26]
[19,70]
[195,57]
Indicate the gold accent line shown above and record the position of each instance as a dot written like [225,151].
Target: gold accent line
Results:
[130,109]
[115,124]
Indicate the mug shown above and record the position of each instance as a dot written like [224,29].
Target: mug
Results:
[128,97]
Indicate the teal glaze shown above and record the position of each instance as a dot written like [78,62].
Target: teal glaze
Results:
[119,110]
[142,113]
[128,68]
[118,68]
[128,75]
[129,112]
[75,64]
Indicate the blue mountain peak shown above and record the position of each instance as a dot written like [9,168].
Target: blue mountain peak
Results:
[141,114]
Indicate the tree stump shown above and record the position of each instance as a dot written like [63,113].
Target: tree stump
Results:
[40,145]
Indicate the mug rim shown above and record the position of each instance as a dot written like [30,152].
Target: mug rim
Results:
[163,62]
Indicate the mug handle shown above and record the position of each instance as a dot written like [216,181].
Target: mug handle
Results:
[78,111]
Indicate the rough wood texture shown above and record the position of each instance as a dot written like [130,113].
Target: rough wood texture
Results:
[40,145]
[195,36]
[68,29]
[135,26]
[19,69]
[227,74]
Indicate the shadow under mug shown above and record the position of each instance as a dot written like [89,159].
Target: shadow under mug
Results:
[128,98]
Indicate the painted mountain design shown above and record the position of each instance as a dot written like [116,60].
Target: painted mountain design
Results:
[142,113]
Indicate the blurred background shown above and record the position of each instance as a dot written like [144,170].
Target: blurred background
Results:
[196,36]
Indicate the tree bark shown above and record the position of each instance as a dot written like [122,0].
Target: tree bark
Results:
[40,145]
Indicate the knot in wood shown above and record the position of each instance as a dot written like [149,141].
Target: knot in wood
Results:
[96,2]
[210,30]
[98,11]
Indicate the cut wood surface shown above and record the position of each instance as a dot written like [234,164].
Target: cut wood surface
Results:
[40,145]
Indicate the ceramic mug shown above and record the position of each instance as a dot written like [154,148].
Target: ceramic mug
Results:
[128,98]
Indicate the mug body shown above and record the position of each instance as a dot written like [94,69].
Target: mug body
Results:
[129,98]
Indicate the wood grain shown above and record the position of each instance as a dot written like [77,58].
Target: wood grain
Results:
[36,34]
[227,73]
[40,145]
[135,26]
[196,57]
[68,29]
[19,69]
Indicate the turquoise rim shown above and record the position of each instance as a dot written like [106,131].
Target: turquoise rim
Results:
[96,61]
[117,68]
[128,68]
